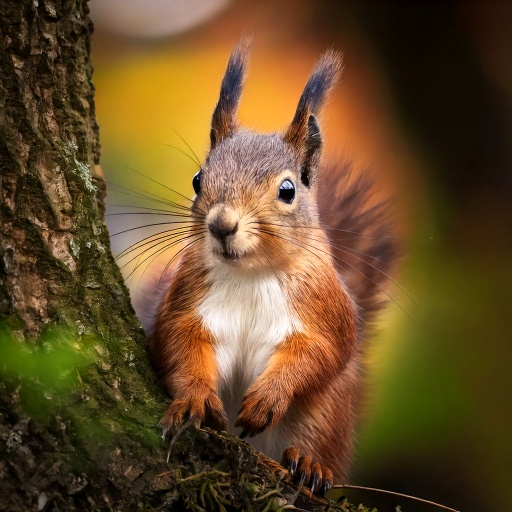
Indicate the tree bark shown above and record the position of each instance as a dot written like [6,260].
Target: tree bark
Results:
[78,399]
[64,311]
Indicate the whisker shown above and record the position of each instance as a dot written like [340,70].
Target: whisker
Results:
[182,152]
[297,244]
[149,197]
[155,250]
[378,259]
[171,214]
[168,204]
[266,256]
[145,226]
[160,184]
[186,143]
[245,214]
[176,255]
[112,205]
[399,285]
[148,249]
[145,251]
[344,249]
[327,228]
[155,254]
[330,240]
[150,239]
[345,263]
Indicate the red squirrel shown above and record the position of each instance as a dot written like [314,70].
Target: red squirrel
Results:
[260,327]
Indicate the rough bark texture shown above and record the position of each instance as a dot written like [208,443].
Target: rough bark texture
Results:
[78,401]
[63,306]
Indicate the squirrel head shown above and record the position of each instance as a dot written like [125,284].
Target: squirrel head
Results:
[257,192]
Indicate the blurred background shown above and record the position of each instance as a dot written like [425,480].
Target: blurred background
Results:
[425,100]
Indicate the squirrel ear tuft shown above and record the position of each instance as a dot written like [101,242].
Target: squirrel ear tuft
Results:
[224,120]
[304,133]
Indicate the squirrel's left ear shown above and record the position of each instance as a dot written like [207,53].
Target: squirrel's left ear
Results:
[224,120]
[304,133]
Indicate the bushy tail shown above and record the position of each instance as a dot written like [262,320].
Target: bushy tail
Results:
[359,222]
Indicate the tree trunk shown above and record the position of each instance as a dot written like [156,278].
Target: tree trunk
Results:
[78,400]
[75,378]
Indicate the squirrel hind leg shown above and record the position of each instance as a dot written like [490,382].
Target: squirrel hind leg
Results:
[306,472]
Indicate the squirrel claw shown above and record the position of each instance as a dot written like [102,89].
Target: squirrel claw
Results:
[313,475]
[260,409]
[290,459]
[215,417]
[249,429]
[197,411]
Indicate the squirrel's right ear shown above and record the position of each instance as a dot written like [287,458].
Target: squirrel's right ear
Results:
[303,134]
[224,120]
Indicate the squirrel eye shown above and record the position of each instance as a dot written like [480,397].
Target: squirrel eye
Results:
[286,191]
[196,182]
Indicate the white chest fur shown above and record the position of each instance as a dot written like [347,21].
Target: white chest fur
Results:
[249,316]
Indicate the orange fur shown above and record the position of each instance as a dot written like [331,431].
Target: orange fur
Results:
[183,353]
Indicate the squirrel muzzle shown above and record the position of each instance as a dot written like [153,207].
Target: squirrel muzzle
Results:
[222,222]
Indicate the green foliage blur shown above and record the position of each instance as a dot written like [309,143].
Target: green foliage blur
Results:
[426,100]
[49,372]
[55,381]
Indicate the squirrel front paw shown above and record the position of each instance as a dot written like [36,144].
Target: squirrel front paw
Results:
[261,408]
[200,410]
[318,478]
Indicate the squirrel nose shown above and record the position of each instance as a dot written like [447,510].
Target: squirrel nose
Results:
[221,229]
